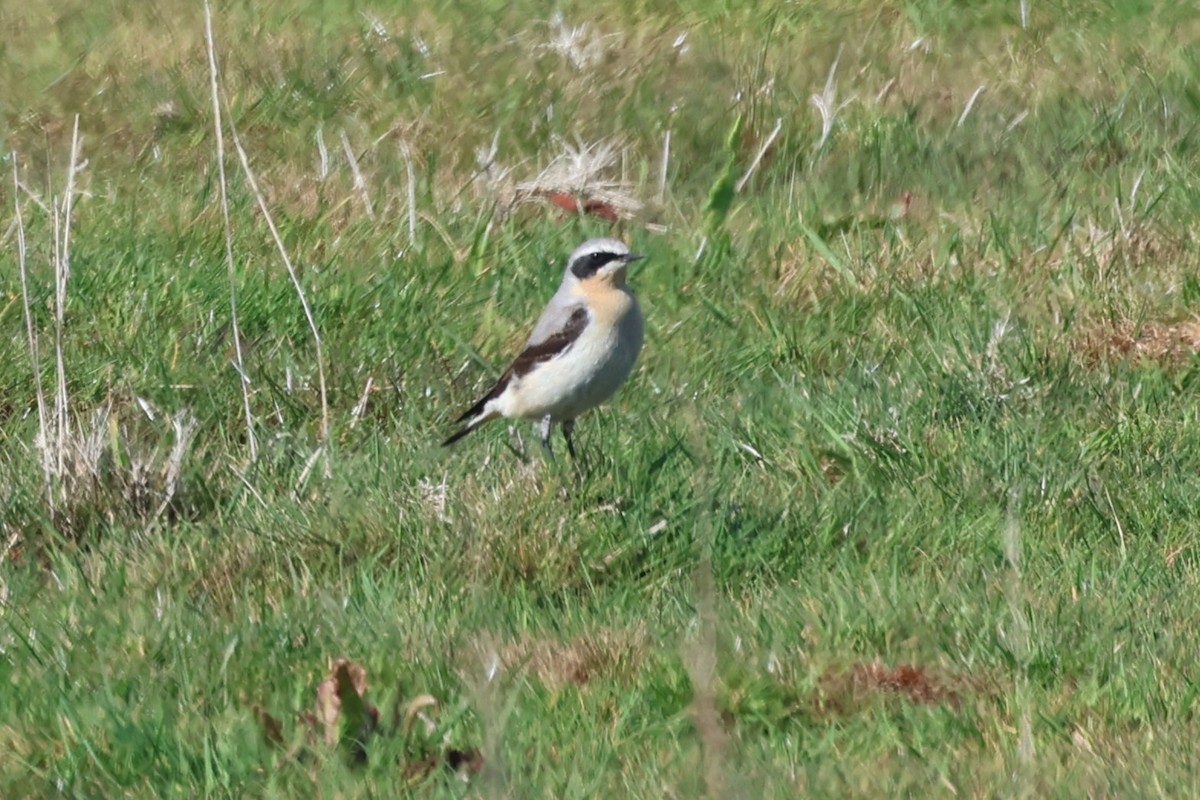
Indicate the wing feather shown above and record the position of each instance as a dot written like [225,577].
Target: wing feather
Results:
[534,354]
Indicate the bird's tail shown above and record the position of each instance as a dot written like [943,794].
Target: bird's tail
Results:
[474,416]
[461,432]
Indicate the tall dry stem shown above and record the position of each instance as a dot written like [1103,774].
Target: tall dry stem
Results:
[239,365]
[43,442]
[62,274]
[295,277]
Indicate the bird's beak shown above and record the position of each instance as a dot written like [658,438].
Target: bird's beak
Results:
[628,257]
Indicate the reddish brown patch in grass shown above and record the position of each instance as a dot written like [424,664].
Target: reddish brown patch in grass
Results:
[573,205]
[843,691]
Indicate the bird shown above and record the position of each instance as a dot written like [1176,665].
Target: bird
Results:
[582,349]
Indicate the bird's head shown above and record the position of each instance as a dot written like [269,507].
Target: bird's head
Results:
[600,260]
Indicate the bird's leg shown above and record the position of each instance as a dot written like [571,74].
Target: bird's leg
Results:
[568,430]
[517,444]
[543,427]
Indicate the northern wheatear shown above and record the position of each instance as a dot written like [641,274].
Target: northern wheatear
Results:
[582,349]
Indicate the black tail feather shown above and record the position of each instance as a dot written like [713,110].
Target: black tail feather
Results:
[475,412]
[476,416]
[476,409]
[457,435]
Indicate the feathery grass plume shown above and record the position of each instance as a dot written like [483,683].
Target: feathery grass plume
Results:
[360,183]
[580,172]
[579,45]
[827,105]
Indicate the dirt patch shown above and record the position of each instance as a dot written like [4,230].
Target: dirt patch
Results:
[1158,341]
[1170,344]
[585,658]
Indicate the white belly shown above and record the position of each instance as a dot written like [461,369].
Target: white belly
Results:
[586,375]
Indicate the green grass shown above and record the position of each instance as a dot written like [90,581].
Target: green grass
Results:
[958,447]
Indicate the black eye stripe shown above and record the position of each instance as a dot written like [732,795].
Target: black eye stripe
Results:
[591,263]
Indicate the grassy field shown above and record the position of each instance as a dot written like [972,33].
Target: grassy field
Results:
[903,498]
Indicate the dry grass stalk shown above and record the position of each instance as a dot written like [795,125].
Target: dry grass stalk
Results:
[322,156]
[970,106]
[360,183]
[62,275]
[1018,635]
[826,103]
[411,176]
[295,277]
[701,664]
[184,425]
[664,165]
[84,464]
[762,151]
[239,364]
[31,334]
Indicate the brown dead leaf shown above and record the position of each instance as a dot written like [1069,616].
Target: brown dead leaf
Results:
[572,205]
[343,718]
[415,709]
[272,730]
[329,709]
[601,209]
[342,711]
[564,201]
[833,468]
[913,681]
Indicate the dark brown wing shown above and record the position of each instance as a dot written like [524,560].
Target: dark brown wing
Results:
[554,345]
